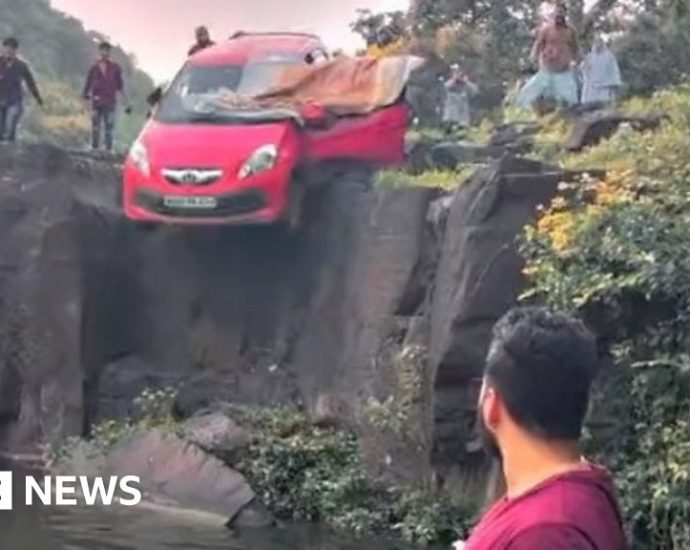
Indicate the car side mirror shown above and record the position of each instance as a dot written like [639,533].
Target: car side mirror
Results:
[154,97]
[314,116]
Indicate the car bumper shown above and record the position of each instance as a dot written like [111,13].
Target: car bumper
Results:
[262,202]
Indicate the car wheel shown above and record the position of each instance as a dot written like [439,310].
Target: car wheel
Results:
[293,220]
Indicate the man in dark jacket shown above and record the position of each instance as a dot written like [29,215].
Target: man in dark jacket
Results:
[103,84]
[203,41]
[14,73]
[532,405]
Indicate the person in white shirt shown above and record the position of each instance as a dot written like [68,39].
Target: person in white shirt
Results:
[601,74]
[459,90]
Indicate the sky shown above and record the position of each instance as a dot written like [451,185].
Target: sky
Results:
[159,32]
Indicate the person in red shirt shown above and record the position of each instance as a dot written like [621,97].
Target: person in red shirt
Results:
[203,41]
[103,84]
[532,406]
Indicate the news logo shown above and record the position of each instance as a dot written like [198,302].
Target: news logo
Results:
[5,490]
[72,491]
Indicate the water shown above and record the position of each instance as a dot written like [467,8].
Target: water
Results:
[141,528]
[117,529]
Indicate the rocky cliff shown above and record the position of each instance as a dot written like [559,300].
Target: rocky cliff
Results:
[94,309]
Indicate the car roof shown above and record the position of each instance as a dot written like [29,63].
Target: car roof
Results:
[244,46]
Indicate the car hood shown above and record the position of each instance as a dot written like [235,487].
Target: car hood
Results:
[209,145]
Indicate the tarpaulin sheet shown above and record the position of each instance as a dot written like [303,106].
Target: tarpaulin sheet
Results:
[343,86]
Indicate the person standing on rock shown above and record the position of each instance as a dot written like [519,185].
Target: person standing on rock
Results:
[557,52]
[532,405]
[203,41]
[601,73]
[459,91]
[14,74]
[103,84]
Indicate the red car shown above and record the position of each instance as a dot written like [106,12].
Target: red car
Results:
[197,162]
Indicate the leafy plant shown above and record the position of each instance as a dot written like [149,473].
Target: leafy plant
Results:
[615,250]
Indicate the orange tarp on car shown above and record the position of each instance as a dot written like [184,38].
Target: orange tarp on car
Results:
[345,85]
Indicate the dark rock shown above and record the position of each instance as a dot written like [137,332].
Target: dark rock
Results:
[253,516]
[122,381]
[478,279]
[218,435]
[593,128]
[449,155]
[329,412]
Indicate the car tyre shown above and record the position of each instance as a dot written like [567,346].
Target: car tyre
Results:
[293,219]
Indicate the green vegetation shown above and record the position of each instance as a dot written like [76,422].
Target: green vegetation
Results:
[60,52]
[615,250]
[306,473]
[436,179]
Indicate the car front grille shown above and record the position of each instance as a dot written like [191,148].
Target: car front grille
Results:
[231,204]
[194,177]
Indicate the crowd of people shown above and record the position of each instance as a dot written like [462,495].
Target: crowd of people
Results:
[565,76]
[102,90]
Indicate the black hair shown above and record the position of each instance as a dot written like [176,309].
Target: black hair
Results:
[542,364]
[11,42]
[105,46]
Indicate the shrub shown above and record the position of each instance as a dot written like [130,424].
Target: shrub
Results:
[615,250]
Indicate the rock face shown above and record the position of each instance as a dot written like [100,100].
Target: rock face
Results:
[598,126]
[94,309]
[477,280]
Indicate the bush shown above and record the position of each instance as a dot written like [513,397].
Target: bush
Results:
[305,473]
[615,250]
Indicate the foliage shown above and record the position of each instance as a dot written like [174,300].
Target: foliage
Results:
[396,411]
[60,51]
[615,249]
[306,473]
[437,179]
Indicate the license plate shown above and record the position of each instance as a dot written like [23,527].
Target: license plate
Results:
[190,202]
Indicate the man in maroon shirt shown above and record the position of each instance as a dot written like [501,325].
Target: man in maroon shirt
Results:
[203,41]
[532,406]
[103,83]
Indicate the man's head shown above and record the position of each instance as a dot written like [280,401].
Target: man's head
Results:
[599,43]
[104,50]
[538,375]
[10,46]
[561,14]
[202,35]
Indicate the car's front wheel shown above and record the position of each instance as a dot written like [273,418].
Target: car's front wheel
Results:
[293,218]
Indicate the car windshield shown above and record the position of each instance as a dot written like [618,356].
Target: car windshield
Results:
[223,94]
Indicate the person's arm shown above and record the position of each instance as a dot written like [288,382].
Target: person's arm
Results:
[86,93]
[538,46]
[121,85]
[575,45]
[472,88]
[31,84]
[553,537]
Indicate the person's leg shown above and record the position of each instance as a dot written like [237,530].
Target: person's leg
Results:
[96,118]
[533,90]
[109,123]
[3,122]
[14,115]
[566,89]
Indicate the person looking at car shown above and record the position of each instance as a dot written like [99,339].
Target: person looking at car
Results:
[459,90]
[103,84]
[14,73]
[203,41]
[532,406]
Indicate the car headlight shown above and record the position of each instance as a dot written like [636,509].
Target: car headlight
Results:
[140,158]
[261,160]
